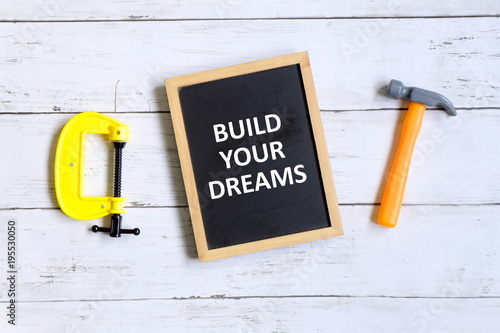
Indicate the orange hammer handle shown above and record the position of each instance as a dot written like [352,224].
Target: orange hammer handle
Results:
[395,188]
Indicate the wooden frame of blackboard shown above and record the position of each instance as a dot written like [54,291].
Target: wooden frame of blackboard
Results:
[173,87]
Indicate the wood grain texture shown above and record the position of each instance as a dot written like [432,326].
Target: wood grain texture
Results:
[120,66]
[436,271]
[32,10]
[361,145]
[264,315]
[420,258]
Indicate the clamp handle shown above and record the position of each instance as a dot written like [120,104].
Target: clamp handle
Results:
[115,230]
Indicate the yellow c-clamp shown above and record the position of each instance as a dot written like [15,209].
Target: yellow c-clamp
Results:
[69,171]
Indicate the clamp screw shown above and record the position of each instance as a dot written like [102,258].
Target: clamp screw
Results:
[115,230]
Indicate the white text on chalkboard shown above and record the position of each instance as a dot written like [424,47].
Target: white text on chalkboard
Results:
[249,126]
[246,183]
[242,156]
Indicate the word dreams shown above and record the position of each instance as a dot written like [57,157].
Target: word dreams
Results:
[243,156]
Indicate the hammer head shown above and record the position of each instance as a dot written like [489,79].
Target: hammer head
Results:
[398,90]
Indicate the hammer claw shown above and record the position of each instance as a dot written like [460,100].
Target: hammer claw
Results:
[398,90]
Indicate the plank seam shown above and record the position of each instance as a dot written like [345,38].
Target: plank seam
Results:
[222,297]
[340,204]
[324,110]
[256,19]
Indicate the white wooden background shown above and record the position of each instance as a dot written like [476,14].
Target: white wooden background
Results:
[437,271]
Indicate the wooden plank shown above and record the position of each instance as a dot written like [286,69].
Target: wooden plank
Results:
[433,249]
[31,181]
[437,271]
[449,158]
[361,145]
[222,9]
[121,65]
[262,315]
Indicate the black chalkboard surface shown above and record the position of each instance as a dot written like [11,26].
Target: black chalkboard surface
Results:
[253,157]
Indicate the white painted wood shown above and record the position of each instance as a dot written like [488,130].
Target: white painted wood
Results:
[263,315]
[107,66]
[222,9]
[436,271]
[455,159]
[432,248]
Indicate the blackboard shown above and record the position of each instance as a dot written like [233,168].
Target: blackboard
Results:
[253,157]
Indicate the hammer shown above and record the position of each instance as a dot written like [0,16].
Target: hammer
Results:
[395,187]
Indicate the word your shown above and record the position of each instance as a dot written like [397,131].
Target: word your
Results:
[243,155]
